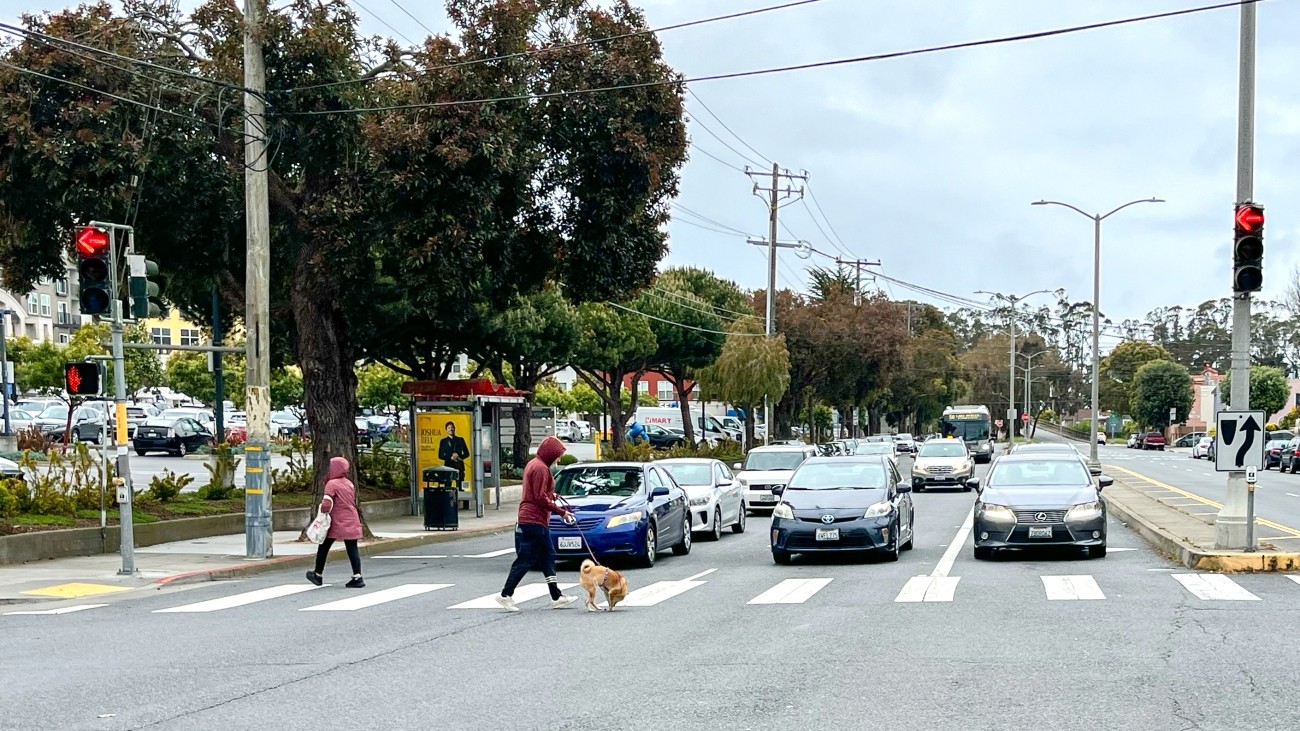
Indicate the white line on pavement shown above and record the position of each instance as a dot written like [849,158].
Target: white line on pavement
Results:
[1071,587]
[490,554]
[659,591]
[928,589]
[426,557]
[239,600]
[60,610]
[700,575]
[382,596]
[525,593]
[958,543]
[791,591]
[1289,494]
[1214,587]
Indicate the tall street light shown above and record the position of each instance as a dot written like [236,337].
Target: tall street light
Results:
[1093,461]
[1013,300]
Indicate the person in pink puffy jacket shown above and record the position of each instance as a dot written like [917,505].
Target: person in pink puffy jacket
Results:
[340,502]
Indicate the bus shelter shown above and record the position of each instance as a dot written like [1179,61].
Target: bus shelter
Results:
[457,424]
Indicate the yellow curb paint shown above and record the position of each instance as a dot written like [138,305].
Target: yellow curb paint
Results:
[254,491]
[74,590]
[1199,499]
[253,469]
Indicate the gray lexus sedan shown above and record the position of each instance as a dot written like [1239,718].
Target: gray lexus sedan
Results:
[1041,499]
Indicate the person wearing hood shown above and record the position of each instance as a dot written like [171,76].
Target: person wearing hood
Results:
[340,503]
[533,549]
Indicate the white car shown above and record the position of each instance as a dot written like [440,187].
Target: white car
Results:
[714,497]
[768,467]
[1202,447]
[881,448]
[1101,439]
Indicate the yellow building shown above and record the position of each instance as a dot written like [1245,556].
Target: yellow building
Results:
[173,330]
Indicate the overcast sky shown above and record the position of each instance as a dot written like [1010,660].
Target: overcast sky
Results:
[929,164]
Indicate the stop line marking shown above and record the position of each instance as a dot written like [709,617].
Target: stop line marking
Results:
[1071,588]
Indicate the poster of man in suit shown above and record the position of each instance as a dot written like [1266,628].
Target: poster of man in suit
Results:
[444,440]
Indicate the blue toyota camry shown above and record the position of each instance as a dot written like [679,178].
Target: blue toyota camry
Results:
[623,509]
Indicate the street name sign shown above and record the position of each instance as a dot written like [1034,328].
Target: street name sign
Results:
[1239,440]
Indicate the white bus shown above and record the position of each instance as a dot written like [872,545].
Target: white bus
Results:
[971,424]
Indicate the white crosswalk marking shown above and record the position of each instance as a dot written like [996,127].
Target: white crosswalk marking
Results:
[1071,587]
[929,589]
[490,554]
[60,610]
[1296,579]
[791,591]
[658,592]
[239,600]
[382,596]
[525,593]
[1214,587]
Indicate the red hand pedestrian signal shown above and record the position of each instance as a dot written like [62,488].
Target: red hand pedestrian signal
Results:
[81,379]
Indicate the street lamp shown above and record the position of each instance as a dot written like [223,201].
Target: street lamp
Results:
[1011,393]
[1029,383]
[1093,461]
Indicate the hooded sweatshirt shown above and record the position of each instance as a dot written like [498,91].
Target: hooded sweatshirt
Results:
[539,485]
[340,502]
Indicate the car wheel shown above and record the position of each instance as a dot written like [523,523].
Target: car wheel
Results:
[140,453]
[781,557]
[1096,552]
[911,538]
[891,554]
[684,547]
[739,527]
[918,488]
[983,553]
[651,547]
[716,533]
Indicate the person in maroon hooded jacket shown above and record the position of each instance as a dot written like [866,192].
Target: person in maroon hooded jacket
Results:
[533,548]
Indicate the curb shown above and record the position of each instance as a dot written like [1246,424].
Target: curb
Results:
[1195,558]
[238,571]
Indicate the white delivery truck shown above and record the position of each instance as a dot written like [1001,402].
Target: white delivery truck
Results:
[671,418]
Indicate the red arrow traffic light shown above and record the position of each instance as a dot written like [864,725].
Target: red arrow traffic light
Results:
[1250,218]
[91,241]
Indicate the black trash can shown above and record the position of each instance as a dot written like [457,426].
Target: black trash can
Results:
[440,509]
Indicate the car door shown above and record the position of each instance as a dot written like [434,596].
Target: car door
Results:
[731,499]
[903,504]
[668,517]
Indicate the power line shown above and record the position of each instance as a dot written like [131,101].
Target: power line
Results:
[724,126]
[717,308]
[412,17]
[565,46]
[680,324]
[715,136]
[813,195]
[783,69]
[710,228]
[715,157]
[719,224]
[825,235]
[686,304]
[385,22]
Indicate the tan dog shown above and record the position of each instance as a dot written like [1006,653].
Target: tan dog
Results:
[609,581]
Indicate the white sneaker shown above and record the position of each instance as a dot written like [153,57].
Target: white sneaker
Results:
[563,602]
[507,603]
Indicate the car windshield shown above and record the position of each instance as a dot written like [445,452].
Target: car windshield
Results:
[871,448]
[589,481]
[1045,448]
[178,414]
[690,474]
[1034,474]
[847,475]
[944,448]
[773,461]
[903,437]
[56,411]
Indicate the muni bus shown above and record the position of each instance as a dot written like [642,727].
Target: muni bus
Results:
[971,424]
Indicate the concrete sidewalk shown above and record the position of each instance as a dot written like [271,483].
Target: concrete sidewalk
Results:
[1181,525]
[217,558]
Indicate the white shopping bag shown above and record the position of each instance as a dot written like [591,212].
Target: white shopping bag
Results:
[318,528]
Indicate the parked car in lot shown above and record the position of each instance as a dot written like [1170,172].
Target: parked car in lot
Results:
[87,424]
[835,504]
[288,424]
[20,420]
[11,470]
[663,438]
[179,435]
[623,509]
[767,467]
[1032,500]
[1153,440]
[137,414]
[1203,445]
[714,498]
[942,463]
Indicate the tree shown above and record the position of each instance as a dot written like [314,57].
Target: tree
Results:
[143,368]
[562,401]
[187,373]
[614,344]
[686,335]
[1119,369]
[586,401]
[750,368]
[379,386]
[286,387]
[1269,389]
[1159,386]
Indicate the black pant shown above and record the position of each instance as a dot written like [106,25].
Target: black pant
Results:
[532,551]
[354,556]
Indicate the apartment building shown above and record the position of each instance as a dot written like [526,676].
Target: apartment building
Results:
[173,330]
[48,313]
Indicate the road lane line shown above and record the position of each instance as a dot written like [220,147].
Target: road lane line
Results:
[1071,588]
[791,591]
[1214,587]
[700,575]
[1292,494]
[1203,501]
[525,593]
[412,557]
[239,600]
[64,610]
[659,591]
[928,589]
[958,543]
[382,596]
[490,554]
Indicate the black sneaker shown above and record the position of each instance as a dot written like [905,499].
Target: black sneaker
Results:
[314,578]
[356,583]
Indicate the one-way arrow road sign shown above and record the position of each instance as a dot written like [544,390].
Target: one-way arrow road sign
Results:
[1239,441]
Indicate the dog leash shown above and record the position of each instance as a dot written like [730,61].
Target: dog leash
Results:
[585,543]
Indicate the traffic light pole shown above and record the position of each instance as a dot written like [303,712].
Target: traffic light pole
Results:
[1231,527]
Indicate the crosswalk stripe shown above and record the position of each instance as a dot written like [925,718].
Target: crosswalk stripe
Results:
[525,593]
[490,554]
[929,589]
[1214,587]
[657,592]
[1296,579]
[791,591]
[382,596]
[60,610]
[1071,587]
[239,600]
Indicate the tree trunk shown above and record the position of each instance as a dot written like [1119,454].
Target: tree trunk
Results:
[614,402]
[329,382]
[523,433]
[683,399]
[749,425]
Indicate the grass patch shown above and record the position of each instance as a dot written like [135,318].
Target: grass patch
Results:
[32,519]
[198,508]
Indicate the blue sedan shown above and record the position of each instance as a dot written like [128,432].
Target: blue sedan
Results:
[623,509]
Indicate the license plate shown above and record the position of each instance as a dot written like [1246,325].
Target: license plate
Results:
[570,543]
[765,499]
[828,534]
[1044,532]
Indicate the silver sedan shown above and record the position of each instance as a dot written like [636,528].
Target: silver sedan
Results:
[715,497]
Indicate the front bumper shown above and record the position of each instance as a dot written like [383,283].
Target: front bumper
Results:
[861,534]
[953,479]
[624,540]
[760,499]
[999,534]
[702,516]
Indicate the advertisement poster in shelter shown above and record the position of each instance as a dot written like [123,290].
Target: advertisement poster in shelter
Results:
[443,440]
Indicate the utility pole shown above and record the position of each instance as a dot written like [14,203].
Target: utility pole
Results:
[1233,528]
[257,476]
[857,265]
[775,194]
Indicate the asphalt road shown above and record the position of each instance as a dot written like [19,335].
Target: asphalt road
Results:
[999,647]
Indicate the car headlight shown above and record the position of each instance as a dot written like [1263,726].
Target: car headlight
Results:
[742,482]
[783,510]
[624,519]
[879,510]
[996,512]
[919,469]
[1086,511]
[702,500]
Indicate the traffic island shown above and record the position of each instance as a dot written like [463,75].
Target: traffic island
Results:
[1187,535]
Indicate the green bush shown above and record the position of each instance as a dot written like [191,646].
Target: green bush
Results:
[221,475]
[383,469]
[567,459]
[298,475]
[8,501]
[628,453]
[165,487]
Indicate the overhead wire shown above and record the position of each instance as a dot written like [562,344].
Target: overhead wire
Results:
[702,217]
[716,136]
[385,22]
[717,308]
[729,129]
[682,324]
[784,69]
[412,17]
[813,195]
[737,168]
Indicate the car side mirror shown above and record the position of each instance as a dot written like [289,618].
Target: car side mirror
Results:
[1095,471]
[660,492]
[778,489]
[726,483]
[974,483]
[737,466]
[1104,481]
[904,487]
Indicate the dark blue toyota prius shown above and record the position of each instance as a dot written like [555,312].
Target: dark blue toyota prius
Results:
[843,504]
